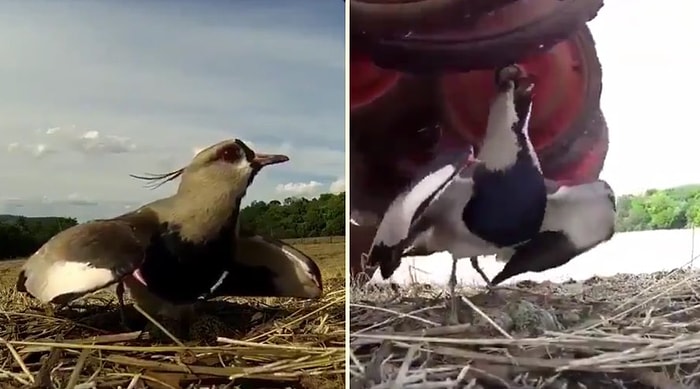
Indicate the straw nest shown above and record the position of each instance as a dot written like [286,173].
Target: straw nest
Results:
[626,331]
[256,343]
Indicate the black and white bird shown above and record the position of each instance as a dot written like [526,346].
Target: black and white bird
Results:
[176,250]
[498,204]
[262,267]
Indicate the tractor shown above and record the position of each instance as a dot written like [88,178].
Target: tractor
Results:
[421,79]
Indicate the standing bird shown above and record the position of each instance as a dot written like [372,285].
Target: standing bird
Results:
[498,204]
[179,248]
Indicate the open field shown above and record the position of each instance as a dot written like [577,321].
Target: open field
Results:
[625,331]
[263,341]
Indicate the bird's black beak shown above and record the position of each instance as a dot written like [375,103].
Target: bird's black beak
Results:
[507,74]
[261,160]
[258,161]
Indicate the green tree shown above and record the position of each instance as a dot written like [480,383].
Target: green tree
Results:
[672,208]
[21,236]
[296,217]
[293,217]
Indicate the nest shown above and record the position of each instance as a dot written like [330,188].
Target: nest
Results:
[256,343]
[626,331]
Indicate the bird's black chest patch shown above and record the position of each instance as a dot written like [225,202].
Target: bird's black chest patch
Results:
[180,271]
[507,207]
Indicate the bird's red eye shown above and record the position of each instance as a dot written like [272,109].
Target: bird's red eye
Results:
[230,154]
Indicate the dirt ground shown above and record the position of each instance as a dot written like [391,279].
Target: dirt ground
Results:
[247,342]
[626,331]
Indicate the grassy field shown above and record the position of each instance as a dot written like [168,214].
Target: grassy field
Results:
[624,331]
[262,341]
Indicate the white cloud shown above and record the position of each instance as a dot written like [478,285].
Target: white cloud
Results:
[337,186]
[57,139]
[78,199]
[92,141]
[41,150]
[299,188]
[36,150]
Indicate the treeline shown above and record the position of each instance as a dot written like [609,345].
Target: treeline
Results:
[21,236]
[659,209]
[297,217]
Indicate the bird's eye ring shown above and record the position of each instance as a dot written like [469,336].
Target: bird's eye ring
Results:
[230,154]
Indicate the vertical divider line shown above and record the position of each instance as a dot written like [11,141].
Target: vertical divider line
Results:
[347,192]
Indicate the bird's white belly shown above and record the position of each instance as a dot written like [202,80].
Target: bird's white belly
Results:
[461,244]
[461,249]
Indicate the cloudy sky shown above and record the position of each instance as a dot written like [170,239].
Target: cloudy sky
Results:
[650,90]
[99,90]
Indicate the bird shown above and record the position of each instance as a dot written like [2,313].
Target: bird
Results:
[180,248]
[262,267]
[497,203]
[271,268]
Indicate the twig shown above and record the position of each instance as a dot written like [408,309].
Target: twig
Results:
[160,326]
[18,359]
[486,317]
[43,377]
[75,375]
[417,318]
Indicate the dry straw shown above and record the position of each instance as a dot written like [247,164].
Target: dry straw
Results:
[625,331]
[264,342]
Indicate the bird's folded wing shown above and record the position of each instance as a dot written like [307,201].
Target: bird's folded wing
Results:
[577,219]
[270,268]
[441,212]
[448,201]
[82,259]
[411,213]
[584,213]
[407,208]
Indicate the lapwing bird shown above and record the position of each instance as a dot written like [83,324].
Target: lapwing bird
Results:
[262,267]
[270,268]
[497,204]
[179,248]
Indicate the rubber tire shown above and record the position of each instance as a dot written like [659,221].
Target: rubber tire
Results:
[574,142]
[577,147]
[413,55]
[592,150]
[387,17]
[571,145]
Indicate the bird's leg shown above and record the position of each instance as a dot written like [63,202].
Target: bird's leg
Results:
[122,307]
[186,319]
[395,288]
[453,317]
[475,264]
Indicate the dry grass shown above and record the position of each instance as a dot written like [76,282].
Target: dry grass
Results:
[263,342]
[625,331]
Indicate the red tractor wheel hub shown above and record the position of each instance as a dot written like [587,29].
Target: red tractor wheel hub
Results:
[560,88]
[368,82]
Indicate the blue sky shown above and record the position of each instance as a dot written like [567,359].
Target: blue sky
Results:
[94,91]
[650,92]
